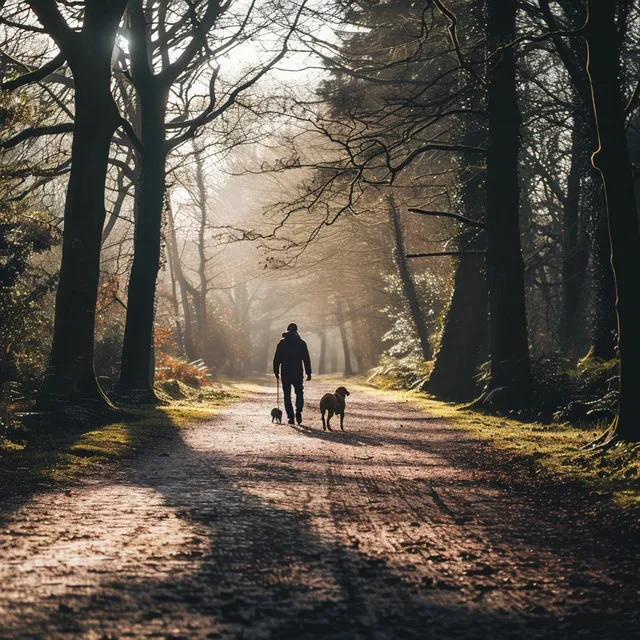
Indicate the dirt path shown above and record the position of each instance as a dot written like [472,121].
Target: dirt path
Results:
[240,529]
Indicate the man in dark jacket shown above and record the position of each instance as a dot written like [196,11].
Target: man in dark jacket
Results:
[291,354]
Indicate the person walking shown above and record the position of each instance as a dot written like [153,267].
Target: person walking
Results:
[290,356]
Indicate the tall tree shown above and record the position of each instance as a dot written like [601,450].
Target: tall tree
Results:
[612,161]
[465,324]
[171,55]
[88,51]
[510,375]
[408,285]
[574,247]
[152,87]
[573,55]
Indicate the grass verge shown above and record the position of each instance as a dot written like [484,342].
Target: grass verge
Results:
[41,456]
[553,449]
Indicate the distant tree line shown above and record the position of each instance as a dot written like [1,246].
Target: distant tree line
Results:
[524,116]
[470,168]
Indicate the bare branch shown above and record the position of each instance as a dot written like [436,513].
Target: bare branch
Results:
[453,23]
[131,134]
[444,253]
[51,19]
[446,214]
[36,75]
[213,11]
[36,132]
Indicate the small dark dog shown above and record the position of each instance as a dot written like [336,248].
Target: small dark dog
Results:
[333,403]
[276,415]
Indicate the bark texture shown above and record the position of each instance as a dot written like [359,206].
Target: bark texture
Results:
[575,254]
[510,380]
[70,375]
[613,162]
[341,322]
[137,369]
[408,285]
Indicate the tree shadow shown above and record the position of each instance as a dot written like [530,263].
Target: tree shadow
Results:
[267,572]
[337,436]
[392,417]
[47,447]
[269,569]
[264,567]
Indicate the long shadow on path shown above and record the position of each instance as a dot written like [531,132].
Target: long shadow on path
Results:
[291,537]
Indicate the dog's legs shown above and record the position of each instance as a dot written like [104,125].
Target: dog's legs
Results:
[329,421]
[324,426]
[342,422]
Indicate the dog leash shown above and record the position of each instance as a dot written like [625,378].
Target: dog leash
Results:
[278,393]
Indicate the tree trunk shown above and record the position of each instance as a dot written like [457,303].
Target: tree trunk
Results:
[359,361]
[70,375]
[453,375]
[176,265]
[333,360]
[322,364]
[574,250]
[612,161]
[322,361]
[465,323]
[267,358]
[137,370]
[408,285]
[262,351]
[203,320]
[510,371]
[606,325]
[348,370]
[175,303]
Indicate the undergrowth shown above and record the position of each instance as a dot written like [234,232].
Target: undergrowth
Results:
[38,451]
[409,372]
[564,391]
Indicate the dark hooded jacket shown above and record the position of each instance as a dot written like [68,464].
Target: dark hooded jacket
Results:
[291,353]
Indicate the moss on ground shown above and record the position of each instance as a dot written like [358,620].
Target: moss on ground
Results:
[553,448]
[37,457]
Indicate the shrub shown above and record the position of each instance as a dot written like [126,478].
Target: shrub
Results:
[400,373]
[108,352]
[403,335]
[568,392]
[168,367]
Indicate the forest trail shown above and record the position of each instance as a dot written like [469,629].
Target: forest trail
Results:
[237,528]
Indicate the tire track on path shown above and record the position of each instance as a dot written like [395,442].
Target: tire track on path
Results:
[237,528]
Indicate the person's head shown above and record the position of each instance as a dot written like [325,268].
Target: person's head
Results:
[293,327]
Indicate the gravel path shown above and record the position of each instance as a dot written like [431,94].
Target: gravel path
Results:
[238,528]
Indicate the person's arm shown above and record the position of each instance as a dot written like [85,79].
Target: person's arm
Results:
[277,361]
[306,360]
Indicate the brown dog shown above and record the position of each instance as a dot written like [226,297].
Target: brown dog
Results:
[333,403]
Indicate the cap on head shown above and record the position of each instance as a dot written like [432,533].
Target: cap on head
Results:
[292,327]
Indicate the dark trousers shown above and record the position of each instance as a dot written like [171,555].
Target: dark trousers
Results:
[286,392]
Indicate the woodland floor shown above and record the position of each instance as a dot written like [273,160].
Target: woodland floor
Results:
[399,527]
